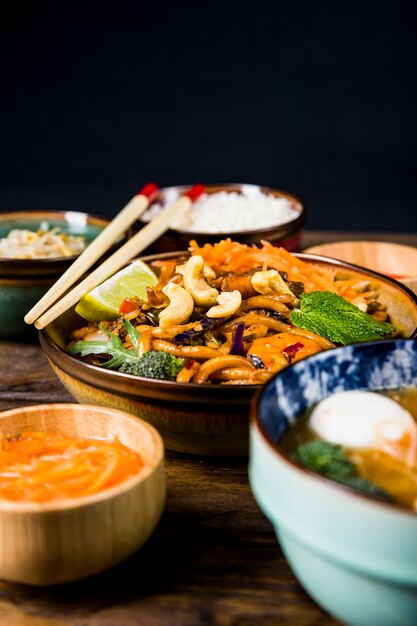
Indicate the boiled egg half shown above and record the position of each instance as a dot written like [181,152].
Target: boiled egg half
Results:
[358,419]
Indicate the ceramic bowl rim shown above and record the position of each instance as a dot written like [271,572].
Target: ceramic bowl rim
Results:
[150,382]
[84,501]
[59,215]
[296,222]
[321,481]
[306,256]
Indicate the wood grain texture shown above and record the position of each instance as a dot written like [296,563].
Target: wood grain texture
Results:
[213,559]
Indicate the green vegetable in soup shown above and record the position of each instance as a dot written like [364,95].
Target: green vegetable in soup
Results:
[333,317]
[329,460]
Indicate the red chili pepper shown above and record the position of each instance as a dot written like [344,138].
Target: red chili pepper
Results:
[189,365]
[127,306]
[294,348]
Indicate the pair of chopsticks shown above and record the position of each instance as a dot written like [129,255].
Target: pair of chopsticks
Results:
[42,315]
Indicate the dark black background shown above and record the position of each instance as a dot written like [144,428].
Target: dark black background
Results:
[317,98]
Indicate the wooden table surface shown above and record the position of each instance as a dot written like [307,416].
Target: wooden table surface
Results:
[213,559]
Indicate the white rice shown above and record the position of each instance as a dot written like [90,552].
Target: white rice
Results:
[231,212]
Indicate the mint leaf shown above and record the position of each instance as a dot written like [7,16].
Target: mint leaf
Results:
[336,319]
[113,348]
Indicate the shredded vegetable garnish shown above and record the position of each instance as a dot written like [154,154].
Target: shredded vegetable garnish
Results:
[42,467]
[232,256]
[43,244]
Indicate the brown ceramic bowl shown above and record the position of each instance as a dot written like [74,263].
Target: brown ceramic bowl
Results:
[199,419]
[23,282]
[59,541]
[287,235]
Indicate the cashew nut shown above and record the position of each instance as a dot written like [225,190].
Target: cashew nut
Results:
[194,283]
[180,306]
[228,303]
[208,272]
[270,282]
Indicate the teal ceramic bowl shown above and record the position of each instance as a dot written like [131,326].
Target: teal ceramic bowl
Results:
[357,557]
[24,282]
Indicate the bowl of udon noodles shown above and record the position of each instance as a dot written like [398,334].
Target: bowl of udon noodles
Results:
[333,465]
[219,321]
[36,247]
[248,213]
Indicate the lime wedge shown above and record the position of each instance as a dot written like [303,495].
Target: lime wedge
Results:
[103,302]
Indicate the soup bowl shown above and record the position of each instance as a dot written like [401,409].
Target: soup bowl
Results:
[208,419]
[354,555]
[24,281]
[286,233]
[45,543]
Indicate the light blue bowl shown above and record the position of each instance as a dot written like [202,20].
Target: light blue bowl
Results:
[357,557]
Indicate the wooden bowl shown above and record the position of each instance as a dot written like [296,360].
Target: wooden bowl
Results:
[56,542]
[197,419]
[392,259]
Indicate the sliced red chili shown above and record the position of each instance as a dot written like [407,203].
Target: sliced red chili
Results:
[293,349]
[127,306]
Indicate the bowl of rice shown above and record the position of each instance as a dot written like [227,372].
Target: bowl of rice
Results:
[247,213]
[36,247]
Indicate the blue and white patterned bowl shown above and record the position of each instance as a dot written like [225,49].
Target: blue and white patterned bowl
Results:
[357,557]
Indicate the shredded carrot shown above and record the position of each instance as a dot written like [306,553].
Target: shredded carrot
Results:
[367,294]
[232,256]
[41,467]
[350,282]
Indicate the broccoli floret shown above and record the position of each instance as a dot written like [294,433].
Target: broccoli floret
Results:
[329,460]
[369,488]
[154,364]
[326,459]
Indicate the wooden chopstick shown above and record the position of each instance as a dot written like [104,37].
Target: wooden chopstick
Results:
[133,209]
[130,249]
